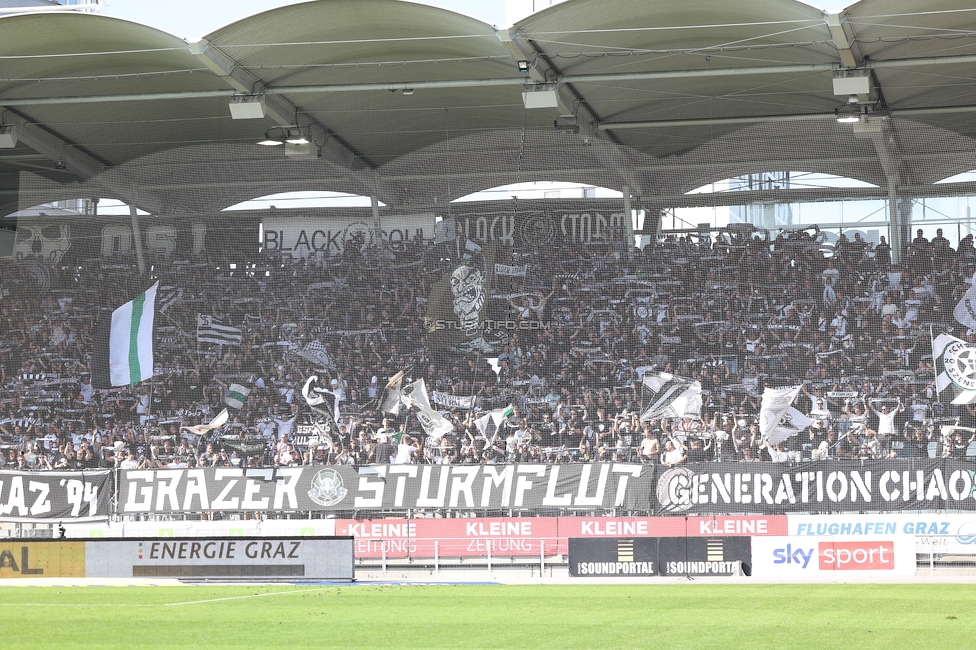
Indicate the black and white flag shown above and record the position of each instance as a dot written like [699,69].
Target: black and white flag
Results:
[955,368]
[672,397]
[210,330]
[168,296]
[315,352]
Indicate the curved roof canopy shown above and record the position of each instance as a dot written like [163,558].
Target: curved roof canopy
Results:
[419,105]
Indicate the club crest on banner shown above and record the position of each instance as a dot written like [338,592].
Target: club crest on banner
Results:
[959,360]
[672,489]
[327,488]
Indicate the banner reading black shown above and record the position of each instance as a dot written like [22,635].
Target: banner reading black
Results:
[74,496]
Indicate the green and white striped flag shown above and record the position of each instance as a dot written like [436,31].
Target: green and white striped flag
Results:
[236,396]
[123,345]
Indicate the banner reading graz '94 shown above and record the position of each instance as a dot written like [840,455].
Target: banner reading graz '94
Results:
[387,487]
[74,496]
[826,486]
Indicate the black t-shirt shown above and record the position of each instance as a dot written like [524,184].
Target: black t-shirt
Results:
[382,452]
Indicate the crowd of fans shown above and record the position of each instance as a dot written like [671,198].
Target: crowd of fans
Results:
[738,311]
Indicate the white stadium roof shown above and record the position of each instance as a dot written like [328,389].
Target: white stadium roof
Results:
[412,103]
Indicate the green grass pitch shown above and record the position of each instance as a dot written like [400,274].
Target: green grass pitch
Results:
[488,616]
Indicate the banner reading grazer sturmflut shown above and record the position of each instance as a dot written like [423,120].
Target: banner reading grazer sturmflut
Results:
[387,487]
[74,496]
[828,486]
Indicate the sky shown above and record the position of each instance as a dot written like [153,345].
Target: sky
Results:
[192,19]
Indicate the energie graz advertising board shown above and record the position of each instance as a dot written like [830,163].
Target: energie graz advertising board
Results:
[291,558]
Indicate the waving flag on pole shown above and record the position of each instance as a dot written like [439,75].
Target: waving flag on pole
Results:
[674,397]
[236,396]
[490,422]
[123,348]
[774,407]
[435,425]
[211,330]
[792,423]
[965,309]
[216,423]
[392,401]
[955,368]
[415,393]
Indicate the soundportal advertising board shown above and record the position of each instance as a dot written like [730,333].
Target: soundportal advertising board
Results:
[659,556]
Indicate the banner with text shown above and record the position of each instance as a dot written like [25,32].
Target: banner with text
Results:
[387,487]
[75,496]
[838,486]
[305,236]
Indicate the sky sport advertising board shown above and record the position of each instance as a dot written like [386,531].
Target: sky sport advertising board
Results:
[833,558]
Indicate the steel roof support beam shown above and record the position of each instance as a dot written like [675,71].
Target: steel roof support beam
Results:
[844,39]
[505,81]
[609,154]
[333,147]
[52,146]
[521,50]
[278,108]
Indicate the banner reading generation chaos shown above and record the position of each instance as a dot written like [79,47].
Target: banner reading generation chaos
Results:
[826,486]
[387,487]
[67,496]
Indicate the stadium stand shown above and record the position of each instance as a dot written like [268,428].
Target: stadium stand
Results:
[737,313]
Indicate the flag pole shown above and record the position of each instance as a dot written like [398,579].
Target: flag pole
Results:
[935,371]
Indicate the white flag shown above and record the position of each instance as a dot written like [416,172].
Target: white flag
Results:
[792,423]
[955,368]
[216,423]
[673,397]
[415,393]
[435,424]
[965,311]
[392,402]
[775,404]
[489,423]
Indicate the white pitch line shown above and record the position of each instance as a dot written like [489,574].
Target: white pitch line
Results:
[190,602]
[273,593]
[74,605]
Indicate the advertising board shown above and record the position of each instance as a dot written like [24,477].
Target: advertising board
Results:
[659,556]
[827,558]
[531,536]
[225,558]
[933,532]
[474,537]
